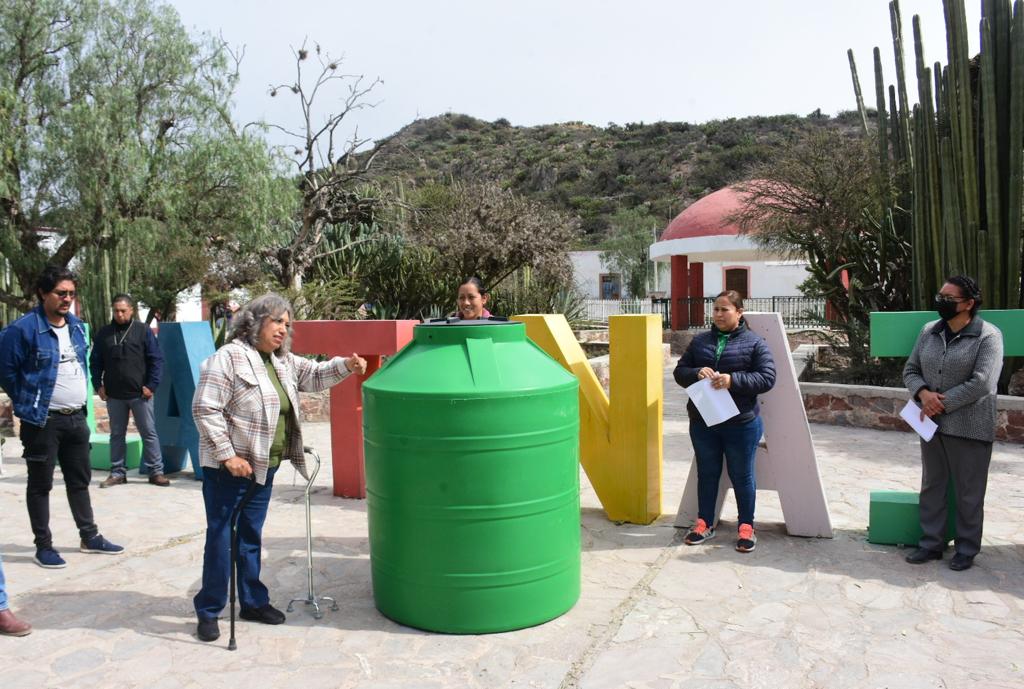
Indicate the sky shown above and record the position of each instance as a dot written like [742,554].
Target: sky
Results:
[536,62]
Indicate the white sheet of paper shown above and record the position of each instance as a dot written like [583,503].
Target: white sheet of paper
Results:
[911,413]
[714,404]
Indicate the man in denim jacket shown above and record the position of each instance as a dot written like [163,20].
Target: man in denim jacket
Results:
[43,369]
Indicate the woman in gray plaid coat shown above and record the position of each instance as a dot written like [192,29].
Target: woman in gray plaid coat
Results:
[246,410]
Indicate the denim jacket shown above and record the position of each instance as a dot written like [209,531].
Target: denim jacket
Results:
[29,356]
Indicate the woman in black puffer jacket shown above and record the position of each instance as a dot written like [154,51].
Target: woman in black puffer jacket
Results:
[737,360]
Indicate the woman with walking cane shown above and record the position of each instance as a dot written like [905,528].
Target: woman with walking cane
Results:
[246,411]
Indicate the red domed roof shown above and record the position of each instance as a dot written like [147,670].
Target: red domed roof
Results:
[707,217]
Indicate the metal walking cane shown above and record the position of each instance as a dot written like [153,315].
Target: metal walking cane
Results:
[235,515]
[311,598]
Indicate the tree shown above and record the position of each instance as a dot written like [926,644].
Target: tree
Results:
[34,38]
[429,240]
[628,248]
[485,230]
[121,139]
[823,200]
[330,168]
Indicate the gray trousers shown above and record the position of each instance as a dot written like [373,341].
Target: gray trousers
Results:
[964,462]
[142,410]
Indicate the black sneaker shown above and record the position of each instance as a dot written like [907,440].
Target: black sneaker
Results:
[699,533]
[49,558]
[923,555]
[98,544]
[208,630]
[266,614]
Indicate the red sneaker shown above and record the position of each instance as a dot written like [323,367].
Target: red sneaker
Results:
[747,540]
[699,533]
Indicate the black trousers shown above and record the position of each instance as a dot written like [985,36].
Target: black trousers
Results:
[64,439]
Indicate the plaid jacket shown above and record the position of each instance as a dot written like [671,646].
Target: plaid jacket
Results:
[236,407]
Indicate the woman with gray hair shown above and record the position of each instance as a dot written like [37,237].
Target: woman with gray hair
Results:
[246,411]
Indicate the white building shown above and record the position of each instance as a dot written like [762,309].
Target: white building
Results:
[708,254]
[706,251]
[594,279]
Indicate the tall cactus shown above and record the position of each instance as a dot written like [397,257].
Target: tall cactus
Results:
[7,280]
[104,272]
[963,147]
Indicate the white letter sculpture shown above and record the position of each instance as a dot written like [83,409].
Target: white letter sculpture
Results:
[785,461]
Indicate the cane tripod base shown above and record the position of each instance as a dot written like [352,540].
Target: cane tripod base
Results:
[315,601]
[311,598]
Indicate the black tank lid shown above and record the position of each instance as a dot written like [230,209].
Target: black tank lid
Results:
[493,320]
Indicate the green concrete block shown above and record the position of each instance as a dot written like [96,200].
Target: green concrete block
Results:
[99,451]
[894,333]
[894,518]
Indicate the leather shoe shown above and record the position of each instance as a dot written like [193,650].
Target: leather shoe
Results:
[961,562]
[266,614]
[208,630]
[159,480]
[12,626]
[923,555]
[113,480]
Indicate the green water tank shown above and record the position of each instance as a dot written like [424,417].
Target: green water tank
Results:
[472,480]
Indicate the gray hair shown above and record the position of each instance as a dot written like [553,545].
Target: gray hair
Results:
[248,321]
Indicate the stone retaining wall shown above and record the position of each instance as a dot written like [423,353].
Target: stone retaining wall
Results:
[868,406]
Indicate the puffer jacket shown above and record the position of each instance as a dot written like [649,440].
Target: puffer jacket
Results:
[746,358]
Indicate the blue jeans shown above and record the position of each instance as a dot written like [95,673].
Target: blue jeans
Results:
[3,587]
[738,444]
[142,410]
[221,494]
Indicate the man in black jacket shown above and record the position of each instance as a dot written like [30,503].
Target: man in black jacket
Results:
[126,365]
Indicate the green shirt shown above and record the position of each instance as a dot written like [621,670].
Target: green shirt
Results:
[723,338]
[280,431]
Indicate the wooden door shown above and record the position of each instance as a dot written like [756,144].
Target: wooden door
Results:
[737,279]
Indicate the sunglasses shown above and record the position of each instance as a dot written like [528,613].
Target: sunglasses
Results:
[65,293]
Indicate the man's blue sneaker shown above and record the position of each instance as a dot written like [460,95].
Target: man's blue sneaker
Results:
[98,544]
[49,558]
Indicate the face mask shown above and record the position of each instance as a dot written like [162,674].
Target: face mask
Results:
[947,309]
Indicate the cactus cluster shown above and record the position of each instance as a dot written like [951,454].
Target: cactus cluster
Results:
[960,150]
[103,272]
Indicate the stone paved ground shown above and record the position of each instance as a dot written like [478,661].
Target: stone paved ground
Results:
[653,613]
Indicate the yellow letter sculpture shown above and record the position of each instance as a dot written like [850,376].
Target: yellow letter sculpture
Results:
[620,441]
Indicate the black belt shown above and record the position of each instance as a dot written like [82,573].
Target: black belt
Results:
[66,412]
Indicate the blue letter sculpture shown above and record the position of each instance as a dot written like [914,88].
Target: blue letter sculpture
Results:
[185,346]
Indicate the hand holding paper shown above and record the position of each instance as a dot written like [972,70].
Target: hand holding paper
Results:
[714,404]
[912,414]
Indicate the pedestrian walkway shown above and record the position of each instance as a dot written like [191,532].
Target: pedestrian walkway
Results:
[653,613]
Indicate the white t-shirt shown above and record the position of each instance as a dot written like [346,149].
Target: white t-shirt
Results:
[70,389]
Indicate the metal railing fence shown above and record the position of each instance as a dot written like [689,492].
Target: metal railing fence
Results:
[796,312]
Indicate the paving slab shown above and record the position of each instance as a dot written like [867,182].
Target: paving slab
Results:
[653,612]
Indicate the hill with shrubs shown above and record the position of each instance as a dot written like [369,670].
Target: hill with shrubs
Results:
[592,172]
